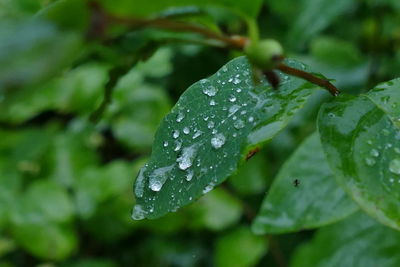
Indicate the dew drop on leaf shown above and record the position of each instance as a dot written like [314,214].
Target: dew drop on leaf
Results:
[185,161]
[218,141]
[138,213]
[175,134]
[186,130]
[210,90]
[180,117]
[158,177]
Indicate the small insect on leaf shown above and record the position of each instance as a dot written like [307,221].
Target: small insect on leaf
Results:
[296,183]
[252,153]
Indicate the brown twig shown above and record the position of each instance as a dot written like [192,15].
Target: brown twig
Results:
[166,24]
[309,77]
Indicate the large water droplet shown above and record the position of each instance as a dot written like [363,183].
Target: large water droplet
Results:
[394,166]
[218,141]
[210,90]
[139,185]
[186,130]
[138,212]
[239,124]
[158,177]
[187,156]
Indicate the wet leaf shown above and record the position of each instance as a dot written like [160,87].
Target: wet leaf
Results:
[358,241]
[360,136]
[211,129]
[312,201]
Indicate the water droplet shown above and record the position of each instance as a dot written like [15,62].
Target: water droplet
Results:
[158,177]
[178,145]
[138,212]
[394,166]
[185,161]
[233,109]
[238,90]
[236,81]
[210,125]
[165,144]
[186,130]
[189,175]
[232,98]
[370,161]
[369,142]
[212,102]
[374,153]
[175,134]
[251,119]
[218,141]
[331,115]
[197,134]
[243,112]
[210,90]
[208,188]
[239,124]
[180,117]
[224,69]
[139,185]
[214,131]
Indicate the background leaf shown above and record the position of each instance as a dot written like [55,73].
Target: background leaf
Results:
[360,139]
[357,241]
[316,201]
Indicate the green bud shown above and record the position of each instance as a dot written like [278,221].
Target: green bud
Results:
[263,54]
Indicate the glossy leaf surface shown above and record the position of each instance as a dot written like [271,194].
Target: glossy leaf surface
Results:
[360,136]
[304,194]
[358,241]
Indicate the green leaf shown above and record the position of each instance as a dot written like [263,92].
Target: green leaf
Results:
[360,138]
[358,241]
[43,201]
[30,52]
[314,16]
[317,200]
[208,133]
[239,248]
[140,8]
[45,240]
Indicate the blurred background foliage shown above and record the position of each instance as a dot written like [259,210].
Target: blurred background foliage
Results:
[66,172]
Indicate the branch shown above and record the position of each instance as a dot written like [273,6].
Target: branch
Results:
[309,77]
[167,24]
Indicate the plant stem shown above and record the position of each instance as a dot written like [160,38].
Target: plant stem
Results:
[309,77]
[167,24]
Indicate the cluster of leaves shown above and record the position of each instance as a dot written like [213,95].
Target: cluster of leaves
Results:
[83,91]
